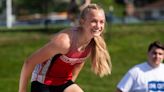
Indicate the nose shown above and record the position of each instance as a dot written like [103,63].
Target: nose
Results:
[98,25]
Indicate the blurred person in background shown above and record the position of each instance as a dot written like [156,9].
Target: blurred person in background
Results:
[84,3]
[148,76]
[56,66]
[74,9]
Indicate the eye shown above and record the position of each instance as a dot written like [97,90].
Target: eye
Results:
[160,53]
[93,21]
[154,53]
[157,53]
[102,22]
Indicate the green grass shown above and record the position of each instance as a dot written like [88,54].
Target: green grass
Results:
[127,45]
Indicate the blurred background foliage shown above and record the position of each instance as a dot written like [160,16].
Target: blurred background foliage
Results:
[42,6]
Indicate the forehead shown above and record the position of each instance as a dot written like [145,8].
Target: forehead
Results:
[156,49]
[95,13]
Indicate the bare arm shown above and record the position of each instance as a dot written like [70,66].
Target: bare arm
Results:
[50,49]
[76,70]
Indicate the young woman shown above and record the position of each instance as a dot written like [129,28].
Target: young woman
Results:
[56,66]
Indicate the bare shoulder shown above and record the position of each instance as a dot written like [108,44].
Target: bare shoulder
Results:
[62,40]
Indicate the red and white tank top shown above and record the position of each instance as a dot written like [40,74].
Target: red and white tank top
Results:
[58,70]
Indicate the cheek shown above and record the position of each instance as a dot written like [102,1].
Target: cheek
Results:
[103,26]
[162,57]
[92,24]
[151,56]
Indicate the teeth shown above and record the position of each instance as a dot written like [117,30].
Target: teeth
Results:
[95,30]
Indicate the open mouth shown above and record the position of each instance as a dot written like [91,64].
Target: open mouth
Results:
[95,30]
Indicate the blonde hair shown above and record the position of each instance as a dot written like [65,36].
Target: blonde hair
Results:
[101,61]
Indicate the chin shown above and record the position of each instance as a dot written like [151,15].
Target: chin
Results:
[95,35]
[157,63]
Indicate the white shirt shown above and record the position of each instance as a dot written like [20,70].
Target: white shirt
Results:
[143,78]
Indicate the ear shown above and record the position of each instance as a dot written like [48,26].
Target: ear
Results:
[81,21]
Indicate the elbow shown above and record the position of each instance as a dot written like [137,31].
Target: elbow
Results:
[29,63]
[27,68]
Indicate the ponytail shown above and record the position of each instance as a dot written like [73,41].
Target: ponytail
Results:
[101,61]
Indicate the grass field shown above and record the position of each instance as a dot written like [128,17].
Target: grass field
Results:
[127,45]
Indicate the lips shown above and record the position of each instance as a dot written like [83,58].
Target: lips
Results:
[95,30]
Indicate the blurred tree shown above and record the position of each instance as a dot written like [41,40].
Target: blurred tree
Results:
[104,3]
[136,2]
[22,7]
[2,5]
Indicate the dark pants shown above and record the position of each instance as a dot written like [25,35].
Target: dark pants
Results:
[39,87]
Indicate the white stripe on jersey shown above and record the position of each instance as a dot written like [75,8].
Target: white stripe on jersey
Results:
[71,61]
[40,71]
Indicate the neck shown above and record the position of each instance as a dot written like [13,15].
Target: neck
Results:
[153,65]
[82,40]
